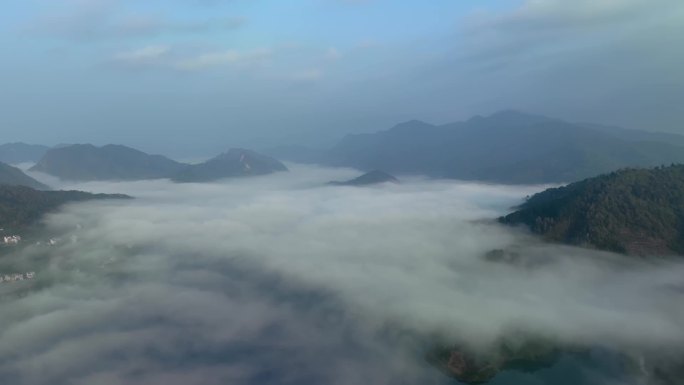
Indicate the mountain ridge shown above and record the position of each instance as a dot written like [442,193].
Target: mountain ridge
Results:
[21,207]
[12,176]
[505,147]
[370,178]
[86,162]
[631,211]
[236,162]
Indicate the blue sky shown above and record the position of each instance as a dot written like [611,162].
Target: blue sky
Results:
[190,77]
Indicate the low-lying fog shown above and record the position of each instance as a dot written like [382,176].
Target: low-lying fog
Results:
[281,279]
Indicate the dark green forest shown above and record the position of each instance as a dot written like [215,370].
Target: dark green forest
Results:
[631,211]
[21,207]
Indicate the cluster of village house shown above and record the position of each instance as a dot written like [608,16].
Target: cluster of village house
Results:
[11,239]
[9,278]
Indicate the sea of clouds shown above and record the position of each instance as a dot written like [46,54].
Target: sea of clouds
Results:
[283,279]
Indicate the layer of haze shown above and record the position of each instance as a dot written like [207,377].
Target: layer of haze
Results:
[281,279]
[193,77]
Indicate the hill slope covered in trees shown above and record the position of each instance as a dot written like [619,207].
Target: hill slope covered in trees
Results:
[21,207]
[632,211]
[13,176]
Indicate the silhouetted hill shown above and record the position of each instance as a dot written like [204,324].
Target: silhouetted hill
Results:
[21,207]
[85,162]
[234,163]
[507,147]
[15,153]
[369,178]
[13,176]
[634,211]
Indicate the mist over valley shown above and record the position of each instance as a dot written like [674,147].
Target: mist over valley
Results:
[246,279]
[341,192]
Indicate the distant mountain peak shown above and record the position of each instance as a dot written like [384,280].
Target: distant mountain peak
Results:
[411,125]
[517,117]
[86,162]
[475,118]
[369,178]
[236,162]
[508,146]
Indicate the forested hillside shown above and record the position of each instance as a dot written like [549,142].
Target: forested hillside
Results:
[633,211]
[21,207]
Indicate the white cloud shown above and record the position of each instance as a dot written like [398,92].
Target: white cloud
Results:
[599,61]
[224,58]
[145,56]
[538,25]
[93,21]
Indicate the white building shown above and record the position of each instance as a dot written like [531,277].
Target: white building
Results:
[11,239]
[9,278]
